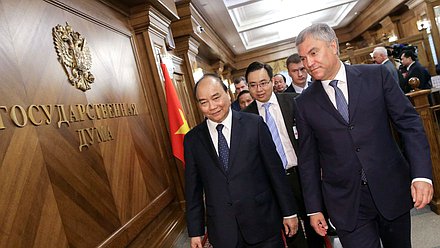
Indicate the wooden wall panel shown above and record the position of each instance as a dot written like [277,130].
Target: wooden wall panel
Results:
[52,194]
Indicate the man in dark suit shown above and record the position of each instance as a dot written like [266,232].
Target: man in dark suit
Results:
[279,83]
[348,157]
[234,172]
[280,108]
[240,84]
[298,73]
[415,69]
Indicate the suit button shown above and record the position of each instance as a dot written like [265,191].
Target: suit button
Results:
[358,149]
[350,127]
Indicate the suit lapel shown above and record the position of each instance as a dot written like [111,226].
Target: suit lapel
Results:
[321,97]
[354,89]
[252,108]
[287,112]
[354,83]
[205,137]
[236,130]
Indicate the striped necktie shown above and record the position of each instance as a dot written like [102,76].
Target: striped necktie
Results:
[275,134]
[341,103]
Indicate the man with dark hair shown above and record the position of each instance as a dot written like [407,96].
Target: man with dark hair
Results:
[279,83]
[277,111]
[233,172]
[298,73]
[349,159]
[240,85]
[244,98]
[415,69]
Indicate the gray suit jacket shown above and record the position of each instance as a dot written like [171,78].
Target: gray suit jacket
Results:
[393,70]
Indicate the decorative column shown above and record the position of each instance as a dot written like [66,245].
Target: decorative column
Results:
[151,29]
[187,48]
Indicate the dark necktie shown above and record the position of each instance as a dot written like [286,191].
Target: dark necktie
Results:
[223,149]
[275,134]
[341,103]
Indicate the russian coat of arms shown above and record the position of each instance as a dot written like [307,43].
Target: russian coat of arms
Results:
[74,56]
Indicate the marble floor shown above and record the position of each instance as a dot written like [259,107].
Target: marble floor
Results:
[425,228]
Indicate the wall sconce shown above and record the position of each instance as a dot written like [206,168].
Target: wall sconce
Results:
[226,82]
[200,29]
[392,38]
[424,24]
[197,74]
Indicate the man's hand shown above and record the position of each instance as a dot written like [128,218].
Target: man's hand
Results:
[290,226]
[196,242]
[317,221]
[421,193]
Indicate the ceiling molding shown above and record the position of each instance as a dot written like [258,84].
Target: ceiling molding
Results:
[372,15]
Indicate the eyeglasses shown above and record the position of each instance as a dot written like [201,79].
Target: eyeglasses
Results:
[262,84]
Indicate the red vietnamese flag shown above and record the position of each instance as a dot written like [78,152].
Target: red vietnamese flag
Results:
[178,124]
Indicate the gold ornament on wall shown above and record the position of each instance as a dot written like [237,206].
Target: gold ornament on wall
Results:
[74,55]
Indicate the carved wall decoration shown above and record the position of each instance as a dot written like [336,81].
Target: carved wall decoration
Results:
[74,55]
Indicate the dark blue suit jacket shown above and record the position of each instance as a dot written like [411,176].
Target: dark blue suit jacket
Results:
[253,195]
[420,72]
[333,152]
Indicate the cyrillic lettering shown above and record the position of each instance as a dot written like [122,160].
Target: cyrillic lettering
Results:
[13,115]
[31,115]
[62,115]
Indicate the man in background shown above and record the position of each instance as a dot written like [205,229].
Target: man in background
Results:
[415,69]
[298,73]
[279,83]
[277,111]
[380,56]
[244,98]
[234,173]
[240,84]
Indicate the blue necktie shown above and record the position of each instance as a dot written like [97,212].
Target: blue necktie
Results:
[223,149]
[275,134]
[342,106]
[341,103]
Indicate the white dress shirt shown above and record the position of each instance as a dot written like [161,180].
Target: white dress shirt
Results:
[298,89]
[227,126]
[275,111]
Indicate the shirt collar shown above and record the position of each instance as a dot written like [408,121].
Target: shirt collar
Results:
[410,65]
[383,62]
[227,122]
[341,76]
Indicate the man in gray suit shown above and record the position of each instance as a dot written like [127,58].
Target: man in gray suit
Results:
[380,56]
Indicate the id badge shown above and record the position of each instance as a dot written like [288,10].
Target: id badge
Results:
[295,132]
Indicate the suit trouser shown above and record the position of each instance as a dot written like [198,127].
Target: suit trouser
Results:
[275,241]
[306,236]
[372,228]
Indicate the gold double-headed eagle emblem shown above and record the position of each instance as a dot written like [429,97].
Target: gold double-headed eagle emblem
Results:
[74,55]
